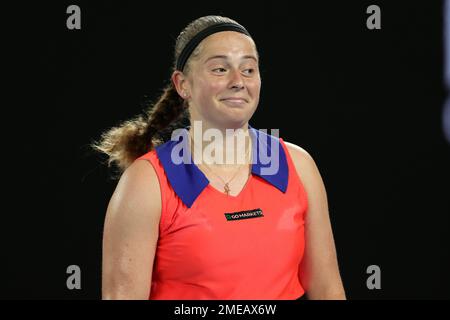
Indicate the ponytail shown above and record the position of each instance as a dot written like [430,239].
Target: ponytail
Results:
[132,138]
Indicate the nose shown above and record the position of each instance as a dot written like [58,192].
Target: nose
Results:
[236,81]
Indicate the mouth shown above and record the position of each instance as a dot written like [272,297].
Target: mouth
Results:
[236,101]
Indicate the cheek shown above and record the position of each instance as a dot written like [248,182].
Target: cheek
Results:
[254,86]
[209,88]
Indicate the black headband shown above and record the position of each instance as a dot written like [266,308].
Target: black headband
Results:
[191,45]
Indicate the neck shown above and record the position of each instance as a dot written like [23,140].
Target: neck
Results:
[224,148]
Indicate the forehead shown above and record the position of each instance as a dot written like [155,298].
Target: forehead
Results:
[227,42]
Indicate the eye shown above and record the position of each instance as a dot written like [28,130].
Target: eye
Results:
[249,71]
[220,70]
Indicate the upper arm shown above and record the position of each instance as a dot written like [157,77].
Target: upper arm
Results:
[130,234]
[319,272]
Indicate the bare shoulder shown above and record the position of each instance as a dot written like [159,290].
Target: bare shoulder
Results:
[297,152]
[303,161]
[138,190]
[139,173]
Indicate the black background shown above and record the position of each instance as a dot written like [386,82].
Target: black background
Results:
[366,104]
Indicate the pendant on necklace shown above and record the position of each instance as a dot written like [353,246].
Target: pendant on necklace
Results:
[226,188]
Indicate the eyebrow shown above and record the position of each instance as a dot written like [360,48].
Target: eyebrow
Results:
[226,58]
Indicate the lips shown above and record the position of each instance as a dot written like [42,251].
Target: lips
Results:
[235,99]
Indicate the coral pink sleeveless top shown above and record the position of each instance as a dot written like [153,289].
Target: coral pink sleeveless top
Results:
[216,246]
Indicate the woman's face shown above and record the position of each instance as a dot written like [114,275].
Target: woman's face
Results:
[223,82]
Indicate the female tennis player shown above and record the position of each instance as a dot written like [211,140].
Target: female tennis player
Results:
[194,217]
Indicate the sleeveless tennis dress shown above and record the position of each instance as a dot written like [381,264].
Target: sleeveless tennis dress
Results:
[217,246]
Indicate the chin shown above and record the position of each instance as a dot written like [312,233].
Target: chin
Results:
[232,118]
[233,122]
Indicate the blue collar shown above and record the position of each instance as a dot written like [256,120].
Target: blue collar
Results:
[188,181]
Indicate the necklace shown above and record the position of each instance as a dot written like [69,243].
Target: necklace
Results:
[226,186]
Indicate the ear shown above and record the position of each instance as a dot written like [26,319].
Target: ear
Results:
[180,83]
